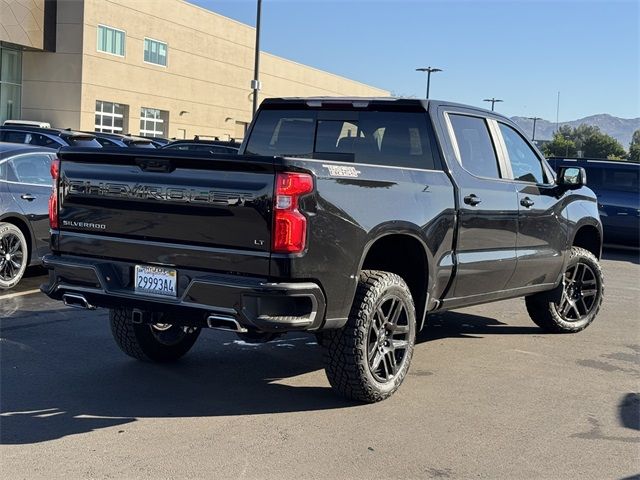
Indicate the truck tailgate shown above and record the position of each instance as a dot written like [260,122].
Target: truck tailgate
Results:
[182,209]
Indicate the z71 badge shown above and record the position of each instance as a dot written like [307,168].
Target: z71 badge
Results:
[342,171]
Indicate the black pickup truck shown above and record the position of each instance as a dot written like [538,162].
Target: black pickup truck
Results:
[350,218]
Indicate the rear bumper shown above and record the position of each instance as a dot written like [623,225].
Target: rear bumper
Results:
[254,303]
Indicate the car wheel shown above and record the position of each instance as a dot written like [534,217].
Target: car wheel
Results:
[368,358]
[155,342]
[574,304]
[14,255]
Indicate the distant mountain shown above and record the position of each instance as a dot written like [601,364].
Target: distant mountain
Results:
[619,128]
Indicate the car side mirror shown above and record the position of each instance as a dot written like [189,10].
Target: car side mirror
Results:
[572,177]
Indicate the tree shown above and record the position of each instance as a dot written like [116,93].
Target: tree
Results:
[560,146]
[588,140]
[601,145]
[634,147]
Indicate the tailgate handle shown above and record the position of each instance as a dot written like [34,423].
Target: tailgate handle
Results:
[154,165]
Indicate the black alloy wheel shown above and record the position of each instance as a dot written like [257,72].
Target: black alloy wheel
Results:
[574,303]
[579,293]
[388,339]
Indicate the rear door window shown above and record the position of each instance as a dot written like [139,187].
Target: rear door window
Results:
[42,141]
[14,137]
[475,146]
[621,179]
[401,139]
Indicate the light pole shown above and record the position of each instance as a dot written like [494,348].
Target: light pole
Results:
[535,119]
[255,83]
[493,102]
[429,71]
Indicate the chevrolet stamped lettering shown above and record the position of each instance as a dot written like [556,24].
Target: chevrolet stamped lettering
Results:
[149,192]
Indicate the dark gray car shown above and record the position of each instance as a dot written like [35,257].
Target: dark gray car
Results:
[25,186]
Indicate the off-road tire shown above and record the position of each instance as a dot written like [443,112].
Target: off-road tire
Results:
[140,341]
[543,307]
[6,230]
[345,350]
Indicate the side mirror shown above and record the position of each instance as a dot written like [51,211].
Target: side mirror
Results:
[572,177]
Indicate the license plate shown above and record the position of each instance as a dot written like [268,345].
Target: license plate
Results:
[156,280]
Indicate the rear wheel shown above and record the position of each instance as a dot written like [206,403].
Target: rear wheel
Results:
[368,359]
[14,255]
[576,301]
[155,342]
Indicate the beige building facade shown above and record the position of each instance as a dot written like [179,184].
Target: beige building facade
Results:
[152,67]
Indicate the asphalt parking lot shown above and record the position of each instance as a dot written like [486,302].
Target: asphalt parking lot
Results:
[488,396]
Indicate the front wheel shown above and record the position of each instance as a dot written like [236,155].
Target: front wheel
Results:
[574,304]
[369,357]
[155,342]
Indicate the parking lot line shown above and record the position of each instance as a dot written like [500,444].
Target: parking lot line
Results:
[20,294]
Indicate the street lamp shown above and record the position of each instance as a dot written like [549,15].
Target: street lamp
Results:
[535,119]
[429,71]
[493,101]
[255,83]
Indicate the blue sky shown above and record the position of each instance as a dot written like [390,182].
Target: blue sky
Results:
[521,51]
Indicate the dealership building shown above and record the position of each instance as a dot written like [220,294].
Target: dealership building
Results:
[150,67]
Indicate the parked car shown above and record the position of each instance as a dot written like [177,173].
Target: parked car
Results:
[47,137]
[350,218]
[201,145]
[617,186]
[25,187]
[117,140]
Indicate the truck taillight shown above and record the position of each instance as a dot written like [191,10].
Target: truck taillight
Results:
[289,225]
[53,198]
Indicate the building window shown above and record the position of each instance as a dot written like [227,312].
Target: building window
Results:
[110,40]
[155,52]
[153,122]
[111,117]
[10,84]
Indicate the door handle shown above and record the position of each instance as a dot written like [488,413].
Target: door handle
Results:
[527,202]
[28,197]
[472,200]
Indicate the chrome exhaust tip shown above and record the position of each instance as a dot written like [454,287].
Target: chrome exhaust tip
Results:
[224,322]
[76,300]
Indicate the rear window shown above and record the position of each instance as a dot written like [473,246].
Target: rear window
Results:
[141,145]
[86,142]
[31,168]
[107,143]
[402,139]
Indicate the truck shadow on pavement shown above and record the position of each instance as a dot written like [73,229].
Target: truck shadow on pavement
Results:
[66,376]
[463,325]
